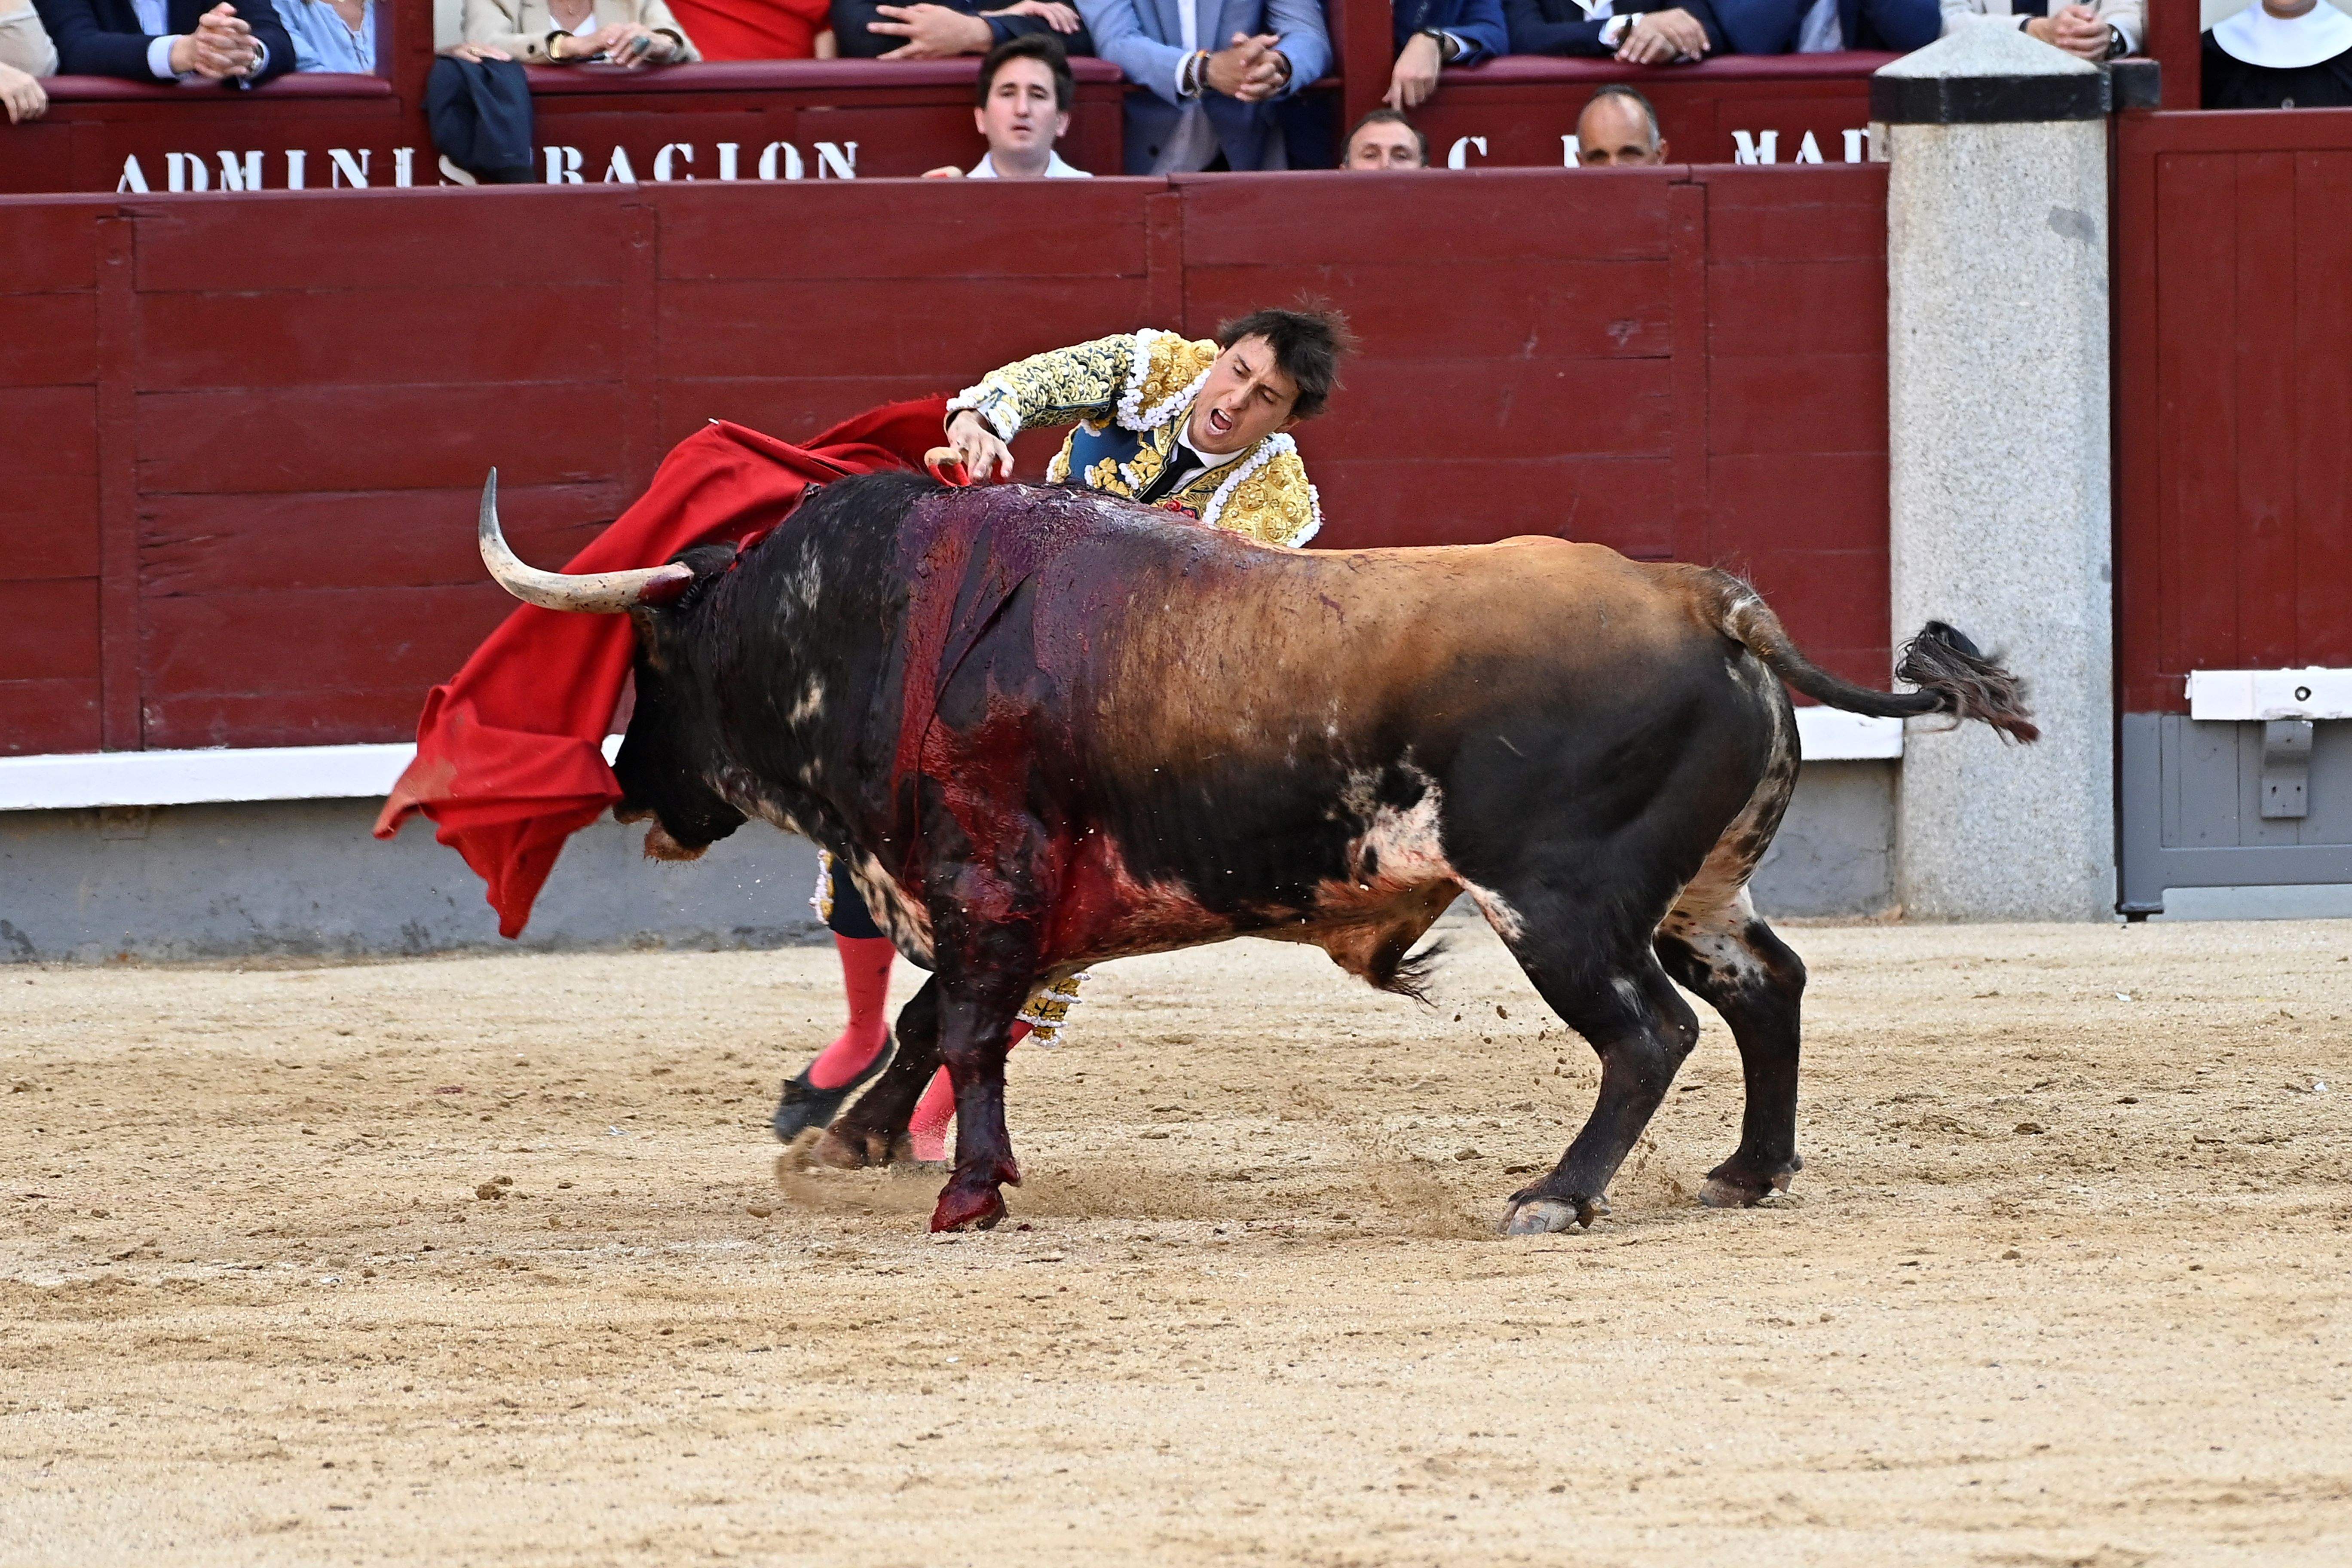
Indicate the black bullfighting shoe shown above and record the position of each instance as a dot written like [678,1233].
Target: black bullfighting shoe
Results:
[804,1105]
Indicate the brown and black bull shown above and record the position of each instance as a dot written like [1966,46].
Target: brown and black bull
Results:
[1045,729]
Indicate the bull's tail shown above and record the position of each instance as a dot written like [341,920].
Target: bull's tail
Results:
[1952,676]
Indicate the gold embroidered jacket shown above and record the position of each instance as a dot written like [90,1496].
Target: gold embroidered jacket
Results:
[1130,397]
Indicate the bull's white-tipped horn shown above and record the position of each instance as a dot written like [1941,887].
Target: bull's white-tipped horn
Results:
[593,593]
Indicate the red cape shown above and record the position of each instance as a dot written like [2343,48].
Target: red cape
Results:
[509,759]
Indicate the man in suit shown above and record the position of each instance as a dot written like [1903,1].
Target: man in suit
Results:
[1206,74]
[169,40]
[1638,32]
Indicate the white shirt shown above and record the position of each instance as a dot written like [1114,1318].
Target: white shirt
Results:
[1055,169]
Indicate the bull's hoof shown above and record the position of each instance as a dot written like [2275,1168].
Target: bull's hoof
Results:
[968,1210]
[1546,1216]
[850,1153]
[1734,1186]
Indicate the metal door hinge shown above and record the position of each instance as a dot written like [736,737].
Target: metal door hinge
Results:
[2286,768]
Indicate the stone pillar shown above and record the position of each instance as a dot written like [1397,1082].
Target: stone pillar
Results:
[1996,383]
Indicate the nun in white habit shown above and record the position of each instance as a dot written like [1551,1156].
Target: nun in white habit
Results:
[2279,54]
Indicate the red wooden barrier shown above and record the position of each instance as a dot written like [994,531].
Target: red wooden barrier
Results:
[245,433]
[2234,330]
[1522,106]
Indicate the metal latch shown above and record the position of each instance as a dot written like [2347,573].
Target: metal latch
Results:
[2286,767]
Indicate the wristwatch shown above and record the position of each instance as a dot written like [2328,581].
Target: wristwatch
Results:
[2117,45]
[1449,48]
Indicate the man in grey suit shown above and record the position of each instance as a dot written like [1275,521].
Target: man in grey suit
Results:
[1205,76]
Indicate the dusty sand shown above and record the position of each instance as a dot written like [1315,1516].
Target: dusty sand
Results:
[1249,1308]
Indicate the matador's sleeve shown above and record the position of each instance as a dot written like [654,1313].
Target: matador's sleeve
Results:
[1057,388]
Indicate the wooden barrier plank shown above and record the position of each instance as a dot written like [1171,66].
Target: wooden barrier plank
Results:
[369,638]
[340,717]
[791,407]
[1797,403]
[2263,363]
[1827,501]
[49,630]
[1312,218]
[47,246]
[1472,410]
[366,538]
[1835,213]
[2323,404]
[43,717]
[49,527]
[2197,441]
[51,339]
[790,326]
[51,430]
[1626,503]
[375,337]
[937,229]
[378,438]
[1777,307]
[2138,418]
[423,240]
[1470,310]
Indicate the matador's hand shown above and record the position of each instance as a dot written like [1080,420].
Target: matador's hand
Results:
[985,457]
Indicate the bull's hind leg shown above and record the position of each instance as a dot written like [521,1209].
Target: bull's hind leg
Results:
[1732,959]
[1610,989]
[870,1132]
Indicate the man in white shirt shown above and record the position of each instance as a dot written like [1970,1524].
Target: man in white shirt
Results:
[1022,107]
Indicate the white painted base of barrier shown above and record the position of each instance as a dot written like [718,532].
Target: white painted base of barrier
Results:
[79,780]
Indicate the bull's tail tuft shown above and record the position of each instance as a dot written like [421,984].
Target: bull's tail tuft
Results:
[1952,676]
[1943,661]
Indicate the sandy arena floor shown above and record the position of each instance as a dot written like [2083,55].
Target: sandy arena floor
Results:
[2064,1281]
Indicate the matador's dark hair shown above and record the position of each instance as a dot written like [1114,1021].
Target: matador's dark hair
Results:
[1309,343]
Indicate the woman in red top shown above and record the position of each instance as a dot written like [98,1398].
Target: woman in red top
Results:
[757,29]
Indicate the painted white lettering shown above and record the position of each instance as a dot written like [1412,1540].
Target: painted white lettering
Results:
[726,151]
[1571,154]
[134,178]
[768,161]
[186,172]
[563,166]
[343,169]
[663,168]
[403,167]
[233,178]
[1809,150]
[618,170]
[1458,155]
[841,157]
[1853,145]
[453,175]
[1764,147]
[295,158]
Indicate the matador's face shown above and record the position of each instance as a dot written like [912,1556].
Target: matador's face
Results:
[1245,399]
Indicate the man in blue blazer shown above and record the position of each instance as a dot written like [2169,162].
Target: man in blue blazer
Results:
[1433,33]
[169,40]
[1206,74]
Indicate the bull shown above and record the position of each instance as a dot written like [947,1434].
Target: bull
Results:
[1044,729]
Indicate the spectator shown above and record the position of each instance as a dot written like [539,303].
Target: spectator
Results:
[868,30]
[758,29]
[1194,107]
[169,40]
[1618,130]
[1022,105]
[331,34]
[2279,54]
[631,33]
[1642,33]
[1433,33]
[25,56]
[1385,140]
[1824,27]
[2104,32]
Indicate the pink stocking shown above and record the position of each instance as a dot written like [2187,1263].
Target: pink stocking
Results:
[927,1128]
[866,977]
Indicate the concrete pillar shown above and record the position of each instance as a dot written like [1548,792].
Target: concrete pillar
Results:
[1997,381]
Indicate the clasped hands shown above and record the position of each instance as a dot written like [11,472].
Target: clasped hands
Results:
[629,44]
[1252,69]
[2074,28]
[1662,37]
[221,47]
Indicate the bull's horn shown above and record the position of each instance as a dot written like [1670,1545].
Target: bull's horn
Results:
[596,592]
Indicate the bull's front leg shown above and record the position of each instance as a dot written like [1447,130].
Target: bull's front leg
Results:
[976,1017]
